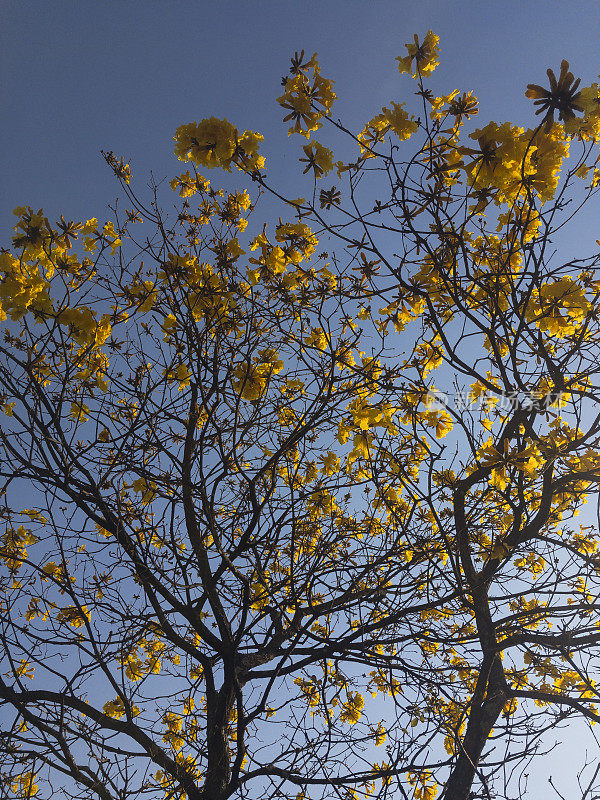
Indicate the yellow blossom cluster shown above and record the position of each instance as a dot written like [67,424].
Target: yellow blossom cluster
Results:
[187,185]
[318,158]
[352,708]
[250,380]
[146,488]
[558,307]
[425,55]
[13,547]
[117,709]
[143,658]
[22,288]
[308,97]
[75,616]
[24,786]
[394,119]
[207,294]
[309,690]
[217,143]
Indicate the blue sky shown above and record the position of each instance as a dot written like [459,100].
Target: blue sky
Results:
[79,76]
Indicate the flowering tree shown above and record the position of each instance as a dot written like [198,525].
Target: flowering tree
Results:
[288,523]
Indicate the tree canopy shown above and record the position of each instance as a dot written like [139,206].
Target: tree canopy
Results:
[303,495]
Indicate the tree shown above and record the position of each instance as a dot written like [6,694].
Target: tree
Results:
[265,482]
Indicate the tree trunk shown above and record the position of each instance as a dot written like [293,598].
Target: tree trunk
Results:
[218,773]
[481,721]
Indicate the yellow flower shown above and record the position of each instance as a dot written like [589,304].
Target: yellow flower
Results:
[79,412]
[187,185]
[180,373]
[248,159]
[379,734]
[310,692]
[558,307]
[25,669]
[399,121]
[307,102]
[425,56]
[250,380]
[13,546]
[317,339]
[394,119]
[331,463]
[321,504]
[216,142]
[24,786]
[360,446]
[148,490]
[440,420]
[352,708]
[83,326]
[210,143]
[318,158]
[503,155]
[22,288]
[169,325]
[73,616]
[116,708]
[111,237]
[234,251]
[297,239]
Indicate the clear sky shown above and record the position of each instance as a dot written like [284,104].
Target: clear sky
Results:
[78,76]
